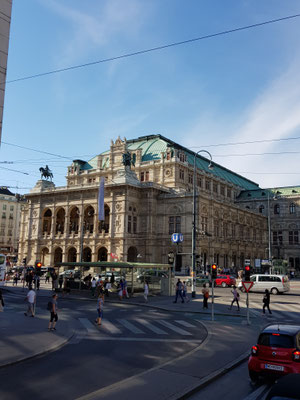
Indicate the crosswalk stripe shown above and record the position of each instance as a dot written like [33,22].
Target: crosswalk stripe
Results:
[88,325]
[173,327]
[186,324]
[130,326]
[110,327]
[150,326]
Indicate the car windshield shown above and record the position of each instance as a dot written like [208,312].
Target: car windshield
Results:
[276,340]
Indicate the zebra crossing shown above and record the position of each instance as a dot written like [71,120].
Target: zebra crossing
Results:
[142,329]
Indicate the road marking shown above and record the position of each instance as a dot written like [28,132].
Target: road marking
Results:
[186,324]
[130,326]
[139,339]
[88,325]
[110,327]
[152,328]
[173,327]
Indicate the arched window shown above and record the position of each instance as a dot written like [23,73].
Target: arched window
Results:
[46,225]
[87,255]
[74,220]
[60,221]
[261,209]
[102,254]
[57,255]
[277,209]
[72,254]
[292,208]
[88,224]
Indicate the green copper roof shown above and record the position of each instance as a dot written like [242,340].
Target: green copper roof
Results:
[263,193]
[153,145]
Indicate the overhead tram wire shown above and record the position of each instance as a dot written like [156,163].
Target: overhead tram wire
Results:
[249,142]
[162,47]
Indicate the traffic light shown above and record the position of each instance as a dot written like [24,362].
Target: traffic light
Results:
[247,273]
[24,260]
[213,271]
[38,265]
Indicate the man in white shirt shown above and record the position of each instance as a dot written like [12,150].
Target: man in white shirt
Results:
[31,296]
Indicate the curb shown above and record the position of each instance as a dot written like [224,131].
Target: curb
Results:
[42,353]
[214,376]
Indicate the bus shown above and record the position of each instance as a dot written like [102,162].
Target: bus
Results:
[2,269]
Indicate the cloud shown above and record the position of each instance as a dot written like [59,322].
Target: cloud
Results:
[273,114]
[96,27]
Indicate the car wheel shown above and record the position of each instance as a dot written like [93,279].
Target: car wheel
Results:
[223,284]
[274,290]
[254,376]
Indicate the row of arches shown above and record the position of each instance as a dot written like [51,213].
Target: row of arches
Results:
[59,220]
[71,256]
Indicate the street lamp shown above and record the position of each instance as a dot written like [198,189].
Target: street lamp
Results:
[194,229]
[269,229]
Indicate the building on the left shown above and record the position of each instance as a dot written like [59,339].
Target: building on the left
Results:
[5,17]
[10,207]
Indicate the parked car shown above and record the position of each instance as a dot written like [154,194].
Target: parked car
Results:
[286,388]
[70,273]
[276,353]
[225,280]
[200,280]
[274,283]
[151,276]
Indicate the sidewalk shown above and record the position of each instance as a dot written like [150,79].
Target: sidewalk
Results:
[22,337]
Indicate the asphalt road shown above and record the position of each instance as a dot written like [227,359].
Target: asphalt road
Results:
[134,340]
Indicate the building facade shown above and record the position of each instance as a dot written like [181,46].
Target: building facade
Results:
[281,206]
[5,17]
[10,208]
[146,200]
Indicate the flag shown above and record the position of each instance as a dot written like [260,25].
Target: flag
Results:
[101,201]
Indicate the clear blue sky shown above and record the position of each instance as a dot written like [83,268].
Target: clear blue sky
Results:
[234,88]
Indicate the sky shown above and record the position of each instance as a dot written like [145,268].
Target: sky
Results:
[205,95]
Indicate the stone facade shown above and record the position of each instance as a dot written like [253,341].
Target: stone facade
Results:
[5,17]
[145,202]
[10,207]
[282,206]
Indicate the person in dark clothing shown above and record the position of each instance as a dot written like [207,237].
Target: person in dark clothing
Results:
[60,281]
[179,288]
[266,301]
[112,279]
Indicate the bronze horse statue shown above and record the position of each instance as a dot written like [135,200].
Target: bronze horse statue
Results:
[46,173]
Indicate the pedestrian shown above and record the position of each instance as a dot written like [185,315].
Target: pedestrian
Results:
[60,281]
[178,291]
[15,281]
[236,297]
[125,292]
[100,303]
[266,301]
[146,291]
[120,290]
[31,297]
[184,292]
[53,313]
[1,301]
[66,288]
[47,277]
[37,281]
[107,287]
[93,286]
[112,279]
[205,293]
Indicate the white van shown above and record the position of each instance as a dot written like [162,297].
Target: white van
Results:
[274,283]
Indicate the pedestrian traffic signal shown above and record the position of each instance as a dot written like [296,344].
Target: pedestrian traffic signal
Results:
[24,260]
[247,273]
[38,264]
[213,271]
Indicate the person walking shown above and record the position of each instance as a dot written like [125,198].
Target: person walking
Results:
[60,281]
[93,286]
[205,293]
[125,291]
[1,301]
[266,301]
[31,297]
[100,304]
[235,299]
[120,290]
[179,288]
[47,279]
[53,313]
[146,291]
[112,279]
[184,292]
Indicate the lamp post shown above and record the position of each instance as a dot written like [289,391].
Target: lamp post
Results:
[269,229]
[194,229]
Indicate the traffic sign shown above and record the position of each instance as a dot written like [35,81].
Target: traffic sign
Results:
[247,285]
[177,237]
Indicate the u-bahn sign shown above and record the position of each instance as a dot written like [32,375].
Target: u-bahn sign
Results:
[177,238]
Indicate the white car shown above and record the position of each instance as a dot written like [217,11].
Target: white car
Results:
[274,283]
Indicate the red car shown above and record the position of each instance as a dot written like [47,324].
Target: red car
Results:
[225,280]
[277,352]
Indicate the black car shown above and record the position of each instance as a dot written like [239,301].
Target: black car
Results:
[286,388]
